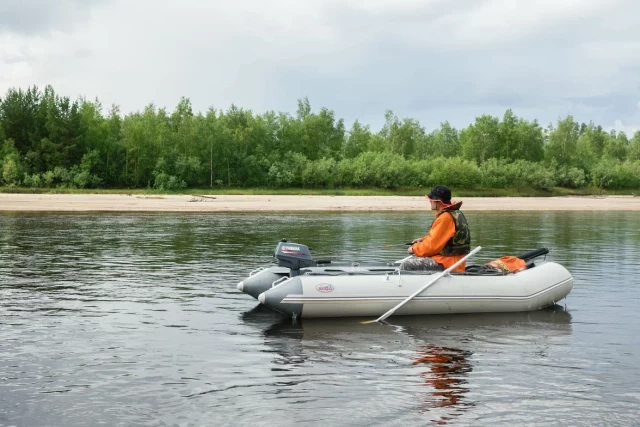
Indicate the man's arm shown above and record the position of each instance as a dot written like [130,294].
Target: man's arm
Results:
[442,230]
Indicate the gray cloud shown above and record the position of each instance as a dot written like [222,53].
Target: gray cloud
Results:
[431,60]
[42,16]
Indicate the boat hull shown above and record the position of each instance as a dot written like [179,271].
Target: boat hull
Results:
[366,293]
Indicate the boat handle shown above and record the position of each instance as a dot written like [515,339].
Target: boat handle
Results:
[256,271]
[275,282]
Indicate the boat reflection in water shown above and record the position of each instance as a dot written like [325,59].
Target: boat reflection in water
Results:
[432,354]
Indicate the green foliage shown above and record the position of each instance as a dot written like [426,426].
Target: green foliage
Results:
[33,181]
[166,182]
[280,176]
[358,140]
[539,177]
[616,146]
[383,170]
[10,172]
[570,177]
[319,173]
[420,172]
[480,140]
[444,142]
[610,174]
[52,141]
[48,179]
[457,172]
[563,142]
[10,167]
[521,173]
[495,174]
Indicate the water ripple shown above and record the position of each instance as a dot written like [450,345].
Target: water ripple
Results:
[134,319]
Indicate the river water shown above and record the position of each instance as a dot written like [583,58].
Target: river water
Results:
[135,320]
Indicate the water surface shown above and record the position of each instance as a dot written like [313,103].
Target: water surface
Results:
[134,319]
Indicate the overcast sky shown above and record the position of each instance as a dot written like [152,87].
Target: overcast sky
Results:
[432,60]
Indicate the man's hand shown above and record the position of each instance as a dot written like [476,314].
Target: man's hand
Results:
[416,241]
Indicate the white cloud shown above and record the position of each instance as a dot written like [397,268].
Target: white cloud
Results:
[621,127]
[432,60]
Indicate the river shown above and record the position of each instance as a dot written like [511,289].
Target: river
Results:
[135,320]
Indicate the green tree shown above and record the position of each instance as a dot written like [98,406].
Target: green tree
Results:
[634,147]
[480,141]
[616,146]
[563,142]
[402,136]
[443,142]
[357,141]
[11,168]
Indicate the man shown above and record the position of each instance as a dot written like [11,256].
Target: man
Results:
[449,238]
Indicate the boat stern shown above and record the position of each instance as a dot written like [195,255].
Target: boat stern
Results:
[262,280]
[274,297]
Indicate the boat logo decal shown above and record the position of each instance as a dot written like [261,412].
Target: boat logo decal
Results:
[290,249]
[324,287]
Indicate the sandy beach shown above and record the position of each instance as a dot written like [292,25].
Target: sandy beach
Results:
[232,203]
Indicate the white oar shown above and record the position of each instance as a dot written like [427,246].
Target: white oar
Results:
[410,297]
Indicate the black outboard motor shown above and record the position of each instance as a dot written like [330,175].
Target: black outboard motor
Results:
[293,256]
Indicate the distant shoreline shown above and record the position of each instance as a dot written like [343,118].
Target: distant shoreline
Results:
[292,203]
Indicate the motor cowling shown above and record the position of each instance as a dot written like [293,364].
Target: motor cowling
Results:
[293,255]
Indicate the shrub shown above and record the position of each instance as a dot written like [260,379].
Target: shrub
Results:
[613,174]
[319,173]
[63,177]
[10,172]
[166,182]
[457,172]
[570,177]
[280,176]
[36,180]
[494,174]
[418,173]
[48,178]
[540,178]
[85,179]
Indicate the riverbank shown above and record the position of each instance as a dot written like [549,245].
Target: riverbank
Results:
[292,203]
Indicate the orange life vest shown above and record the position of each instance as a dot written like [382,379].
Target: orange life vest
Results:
[508,264]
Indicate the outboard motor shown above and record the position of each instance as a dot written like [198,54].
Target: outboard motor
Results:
[293,256]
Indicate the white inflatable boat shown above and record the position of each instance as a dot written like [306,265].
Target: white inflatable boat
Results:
[301,287]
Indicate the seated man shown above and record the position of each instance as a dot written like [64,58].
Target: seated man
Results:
[449,238]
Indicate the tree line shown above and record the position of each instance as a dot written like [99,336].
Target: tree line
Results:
[51,141]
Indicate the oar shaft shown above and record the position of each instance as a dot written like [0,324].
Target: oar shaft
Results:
[410,297]
[400,261]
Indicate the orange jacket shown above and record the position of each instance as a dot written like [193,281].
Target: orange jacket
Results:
[442,229]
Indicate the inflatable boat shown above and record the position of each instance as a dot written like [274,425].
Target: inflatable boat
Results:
[303,287]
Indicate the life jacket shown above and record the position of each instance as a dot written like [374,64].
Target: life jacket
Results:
[460,243]
[508,264]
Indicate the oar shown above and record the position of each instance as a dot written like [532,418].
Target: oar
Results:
[400,261]
[399,244]
[410,297]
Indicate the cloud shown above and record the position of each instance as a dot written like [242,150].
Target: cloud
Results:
[42,16]
[431,60]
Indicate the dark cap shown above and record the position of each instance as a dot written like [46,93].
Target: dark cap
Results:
[442,193]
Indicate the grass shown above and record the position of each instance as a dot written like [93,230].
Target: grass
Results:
[477,192]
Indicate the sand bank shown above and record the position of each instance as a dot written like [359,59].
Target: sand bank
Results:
[227,203]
